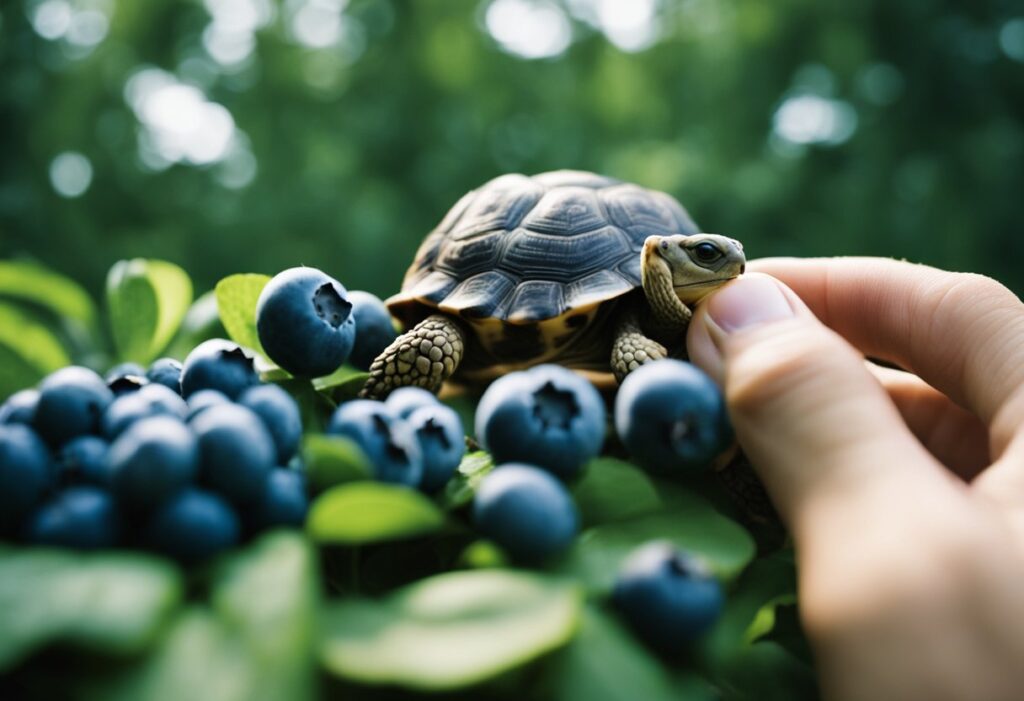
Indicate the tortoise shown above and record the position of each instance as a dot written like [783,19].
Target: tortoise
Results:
[567,267]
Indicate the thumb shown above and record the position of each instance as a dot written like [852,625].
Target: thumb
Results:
[818,427]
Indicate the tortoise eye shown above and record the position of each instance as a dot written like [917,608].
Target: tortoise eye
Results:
[707,252]
[664,245]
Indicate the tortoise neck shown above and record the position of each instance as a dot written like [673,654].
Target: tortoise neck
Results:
[666,308]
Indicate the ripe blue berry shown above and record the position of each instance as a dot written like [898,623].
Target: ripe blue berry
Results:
[282,502]
[83,460]
[546,416]
[671,416]
[374,329]
[166,372]
[220,365]
[80,517]
[442,443]
[151,400]
[526,511]
[20,407]
[204,399]
[387,440]
[125,378]
[236,452]
[25,473]
[405,400]
[192,526]
[151,460]
[280,414]
[305,323]
[71,403]
[667,597]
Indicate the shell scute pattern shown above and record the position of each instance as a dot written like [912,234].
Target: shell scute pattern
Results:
[566,211]
[498,206]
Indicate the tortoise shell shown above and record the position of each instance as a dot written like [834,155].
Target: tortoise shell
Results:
[535,256]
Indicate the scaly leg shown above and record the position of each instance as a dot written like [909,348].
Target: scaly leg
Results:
[425,356]
[631,348]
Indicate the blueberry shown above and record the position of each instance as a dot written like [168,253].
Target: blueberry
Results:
[25,473]
[526,511]
[667,597]
[387,440]
[442,443]
[71,403]
[305,322]
[20,407]
[83,460]
[204,399]
[283,501]
[80,517]
[547,416]
[193,526]
[166,372]
[280,413]
[151,460]
[125,378]
[220,365]
[374,329]
[236,451]
[671,416]
[405,400]
[151,400]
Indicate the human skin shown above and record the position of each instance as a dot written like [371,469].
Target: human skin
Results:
[904,491]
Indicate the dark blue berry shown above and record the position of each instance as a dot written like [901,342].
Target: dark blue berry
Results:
[236,452]
[671,416]
[25,473]
[282,502]
[305,323]
[193,526]
[546,416]
[388,442]
[125,378]
[71,403]
[374,328]
[667,597]
[151,400]
[220,365]
[85,518]
[405,400]
[442,442]
[151,460]
[203,399]
[20,407]
[83,460]
[166,372]
[280,414]
[526,511]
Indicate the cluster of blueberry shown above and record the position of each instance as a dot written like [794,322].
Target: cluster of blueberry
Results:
[140,459]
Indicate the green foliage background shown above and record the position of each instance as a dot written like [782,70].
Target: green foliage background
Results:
[361,146]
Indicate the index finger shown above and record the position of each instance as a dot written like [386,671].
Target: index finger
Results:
[962,333]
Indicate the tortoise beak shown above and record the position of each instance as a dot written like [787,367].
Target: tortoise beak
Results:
[743,268]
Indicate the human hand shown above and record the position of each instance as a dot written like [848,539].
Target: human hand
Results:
[904,491]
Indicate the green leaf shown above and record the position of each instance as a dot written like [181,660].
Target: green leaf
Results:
[613,490]
[604,662]
[371,512]
[342,384]
[332,460]
[146,300]
[110,602]
[236,303]
[692,524]
[34,283]
[267,595]
[463,485]
[450,631]
[28,351]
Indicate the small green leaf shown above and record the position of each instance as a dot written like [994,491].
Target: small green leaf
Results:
[39,285]
[28,351]
[332,460]
[450,631]
[371,512]
[342,384]
[613,490]
[463,485]
[236,303]
[109,602]
[146,300]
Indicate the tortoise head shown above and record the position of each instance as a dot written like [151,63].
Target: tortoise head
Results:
[697,264]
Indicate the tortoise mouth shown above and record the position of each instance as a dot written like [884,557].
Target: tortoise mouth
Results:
[702,283]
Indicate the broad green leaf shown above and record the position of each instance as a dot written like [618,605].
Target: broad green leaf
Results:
[236,303]
[314,407]
[613,490]
[371,512]
[692,524]
[342,384]
[200,323]
[28,351]
[31,282]
[463,485]
[109,602]
[332,460]
[267,595]
[605,662]
[146,300]
[450,631]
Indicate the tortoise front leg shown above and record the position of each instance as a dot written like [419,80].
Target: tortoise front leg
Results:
[425,356]
[631,348]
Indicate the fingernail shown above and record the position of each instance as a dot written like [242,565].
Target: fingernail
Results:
[746,302]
